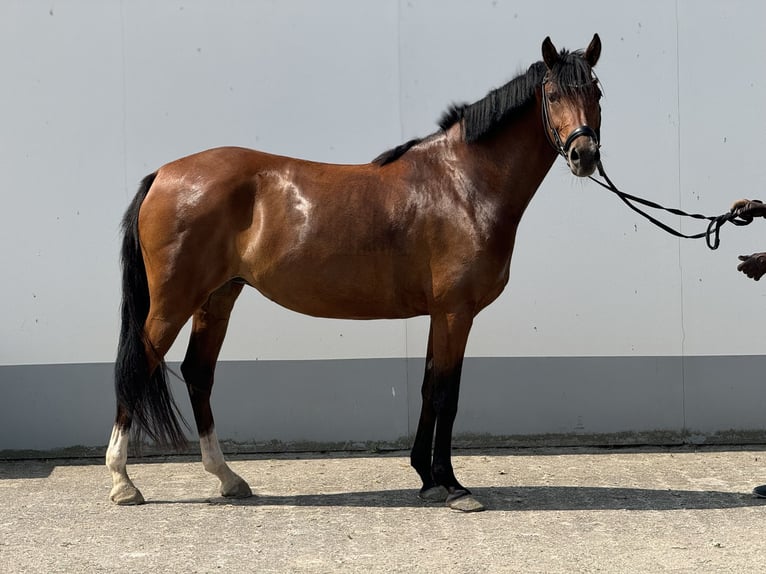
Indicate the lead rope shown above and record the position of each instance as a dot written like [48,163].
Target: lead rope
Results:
[711,235]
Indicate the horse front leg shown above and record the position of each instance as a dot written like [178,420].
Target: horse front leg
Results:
[447,341]
[446,401]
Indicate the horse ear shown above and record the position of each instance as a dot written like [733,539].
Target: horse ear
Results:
[593,51]
[550,55]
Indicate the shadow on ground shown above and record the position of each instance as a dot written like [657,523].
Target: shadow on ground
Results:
[520,498]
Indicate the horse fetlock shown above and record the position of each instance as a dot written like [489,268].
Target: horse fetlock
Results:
[444,474]
[215,465]
[434,494]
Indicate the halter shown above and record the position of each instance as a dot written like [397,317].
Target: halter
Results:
[562,148]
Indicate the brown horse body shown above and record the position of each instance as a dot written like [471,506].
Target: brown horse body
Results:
[427,229]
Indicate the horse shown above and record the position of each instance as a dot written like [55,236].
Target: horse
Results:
[426,228]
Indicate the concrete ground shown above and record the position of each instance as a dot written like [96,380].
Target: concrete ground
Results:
[562,510]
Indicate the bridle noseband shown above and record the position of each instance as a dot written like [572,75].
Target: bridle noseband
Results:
[552,133]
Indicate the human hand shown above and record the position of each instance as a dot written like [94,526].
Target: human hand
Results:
[748,209]
[754,266]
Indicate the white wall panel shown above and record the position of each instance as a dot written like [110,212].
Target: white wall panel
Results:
[722,79]
[62,164]
[97,94]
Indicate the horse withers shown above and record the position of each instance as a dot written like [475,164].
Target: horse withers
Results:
[427,228]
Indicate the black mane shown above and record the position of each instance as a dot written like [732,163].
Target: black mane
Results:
[505,103]
[498,106]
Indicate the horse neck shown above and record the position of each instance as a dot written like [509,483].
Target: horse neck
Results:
[511,164]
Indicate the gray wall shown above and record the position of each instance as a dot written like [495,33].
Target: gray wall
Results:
[366,403]
[608,325]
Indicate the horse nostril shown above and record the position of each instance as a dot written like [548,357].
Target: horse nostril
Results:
[574,156]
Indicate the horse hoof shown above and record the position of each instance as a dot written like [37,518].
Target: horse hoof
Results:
[237,489]
[463,501]
[126,496]
[434,494]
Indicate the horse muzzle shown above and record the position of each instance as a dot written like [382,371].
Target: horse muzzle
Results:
[582,151]
[583,157]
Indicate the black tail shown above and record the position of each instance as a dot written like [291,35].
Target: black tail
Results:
[144,401]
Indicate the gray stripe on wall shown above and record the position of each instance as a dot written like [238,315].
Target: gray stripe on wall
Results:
[352,403]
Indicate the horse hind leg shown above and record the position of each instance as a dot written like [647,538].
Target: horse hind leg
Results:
[123,491]
[209,326]
[146,364]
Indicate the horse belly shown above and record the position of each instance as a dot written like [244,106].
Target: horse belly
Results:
[349,287]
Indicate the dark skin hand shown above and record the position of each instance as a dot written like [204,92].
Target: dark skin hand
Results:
[754,266]
[749,208]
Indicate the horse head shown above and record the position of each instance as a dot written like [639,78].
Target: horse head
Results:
[571,111]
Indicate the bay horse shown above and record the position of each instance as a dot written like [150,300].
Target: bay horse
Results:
[427,228]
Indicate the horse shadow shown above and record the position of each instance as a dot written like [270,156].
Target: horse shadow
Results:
[517,499]
[495,498]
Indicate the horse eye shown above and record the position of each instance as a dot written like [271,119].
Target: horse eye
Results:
[554,96]
[597,89]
